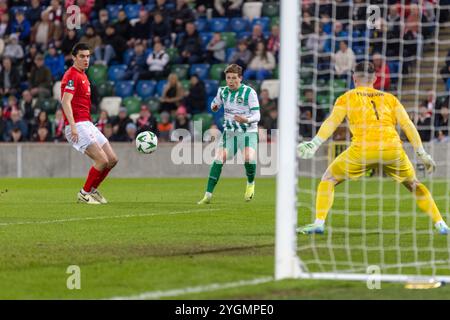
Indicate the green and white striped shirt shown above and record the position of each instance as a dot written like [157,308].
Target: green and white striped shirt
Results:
[243,102]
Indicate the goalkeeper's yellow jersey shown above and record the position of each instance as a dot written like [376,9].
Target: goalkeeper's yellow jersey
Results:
[372,117]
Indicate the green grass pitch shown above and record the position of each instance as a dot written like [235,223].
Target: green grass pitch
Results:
[152,237]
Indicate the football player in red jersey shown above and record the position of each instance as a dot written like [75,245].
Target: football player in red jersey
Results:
[80,131]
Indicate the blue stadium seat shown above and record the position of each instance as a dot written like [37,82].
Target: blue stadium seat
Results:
[160,87]
[124,88]
[205,37]
[201,70]
[447,86]
[146,88]
[132,10]
[263,21]
[211,87]
[148,52]
[17,8]
[394,70]
[239,24]
[170,5]
[113,10]
[149,6]
[117,72]
[209,100]
[128,54]
[229,53]
[243,35]
[219,24]
[202,25]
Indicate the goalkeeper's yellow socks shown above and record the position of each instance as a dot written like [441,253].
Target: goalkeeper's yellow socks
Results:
[250,170]
[214,175]
[426,203]
[324,199]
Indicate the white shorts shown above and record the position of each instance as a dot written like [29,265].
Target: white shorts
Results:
[87,135]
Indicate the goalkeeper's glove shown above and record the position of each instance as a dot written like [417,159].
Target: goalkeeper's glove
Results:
[427,160]
[306,150]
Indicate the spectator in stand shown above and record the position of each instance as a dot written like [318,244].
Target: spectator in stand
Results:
[91,38]
[123,26]
[102,23]
[2,125]
[108,132]
[242,55]
[306,124]
[9,78]
[11,106]
[190,45]
[423,123]
[359,15]
[113,46]
[103,119]
[41,122]
[383,80]
[161,29]
[182,14]
[342,10]
[344,61]
[3,6]
[196,96]
[228,8]
[40,78]
[58,126]
[262,64]
[445,71]
[307,23]
[165,127]
[442,125]
[119,124]
[173,94]
[85,6]
[161,6]
[69,41]
[266,103]
[44,31]
[131,132]
[42,135]
[5,25]
[256,37]
[56,12]
[27,107]
[13,49]
[34,12]
[55,62]
[146,121]
[201,7]
[21,26]
[273,44]
[393,32]
[141,29]
[17,136]
[137,65]
[182,120]
[15,122]
[157,62]
[215,50]
[28,63]
[270,121]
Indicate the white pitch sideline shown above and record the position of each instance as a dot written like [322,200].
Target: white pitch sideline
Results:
[153,295]
[5,224]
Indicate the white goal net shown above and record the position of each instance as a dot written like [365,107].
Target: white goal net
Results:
[374,224]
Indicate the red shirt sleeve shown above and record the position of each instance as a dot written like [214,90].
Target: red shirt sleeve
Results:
[71,83]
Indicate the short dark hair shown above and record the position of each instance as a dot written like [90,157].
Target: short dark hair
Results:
[79,46]
[365,68]
[234,68]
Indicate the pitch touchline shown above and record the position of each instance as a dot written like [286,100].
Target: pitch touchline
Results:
[4,224]
[198,289]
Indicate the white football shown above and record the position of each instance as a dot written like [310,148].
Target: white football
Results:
[146,142]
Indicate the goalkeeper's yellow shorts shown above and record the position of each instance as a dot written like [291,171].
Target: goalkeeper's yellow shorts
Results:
[355,162]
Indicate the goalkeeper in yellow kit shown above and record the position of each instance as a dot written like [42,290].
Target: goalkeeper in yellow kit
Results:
[372,116]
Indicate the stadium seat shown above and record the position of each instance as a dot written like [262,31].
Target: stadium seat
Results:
[111,105]
[271,9]
[132,11]
[447,86]
[128,55]
[205,37]
[200,69]
[181,70]
[218,24]
[14,9]
[160,87]
[133,104]
[255,84]
[229,53]
[229,38]
[113,10]
[98,73]
[186,84]
[117,72]
[57,90]
[216,71]
[202,25]
[153,104]
[264,22]
[146,88]
[173,53]
[211,87]
[105,89]
[239,24]
[273,86]
[323,99]
[48,105]
[243,35]
[124,88]
[274,21]
[134,117]
[252,10]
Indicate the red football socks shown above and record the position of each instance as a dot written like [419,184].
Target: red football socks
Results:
[101,177]
[93,176]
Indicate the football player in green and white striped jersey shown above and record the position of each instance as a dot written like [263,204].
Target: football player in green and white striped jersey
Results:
[241,108]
